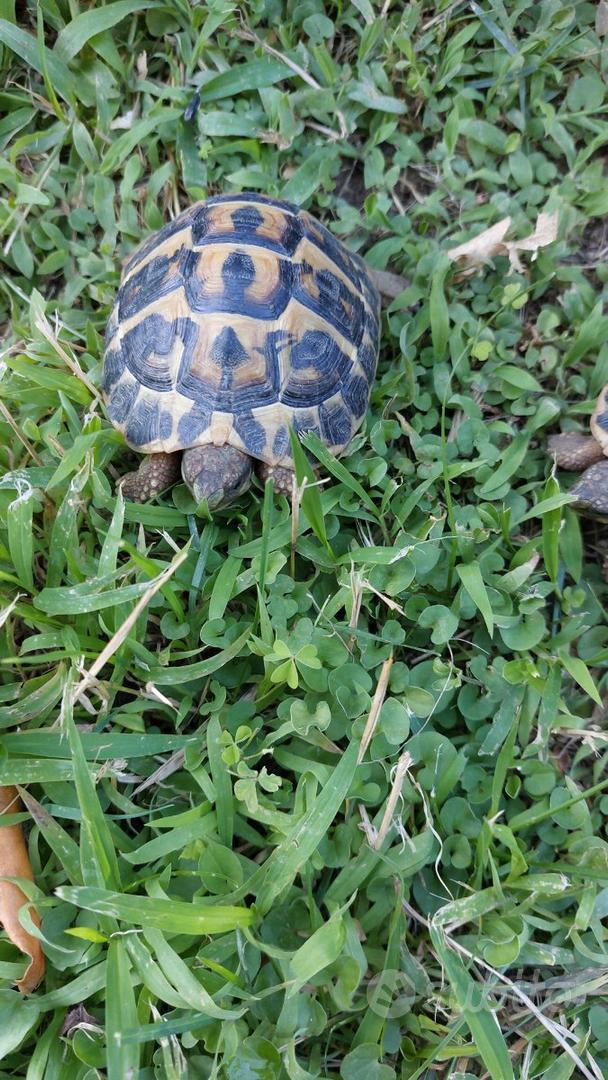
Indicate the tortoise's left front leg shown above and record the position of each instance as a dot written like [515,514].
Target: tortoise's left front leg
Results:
[283,479]
[156,472]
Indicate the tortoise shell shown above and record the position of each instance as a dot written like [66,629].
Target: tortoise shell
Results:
[239,318]
[599,420]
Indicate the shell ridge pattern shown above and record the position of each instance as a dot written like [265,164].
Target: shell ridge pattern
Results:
[179,224]
[241,317]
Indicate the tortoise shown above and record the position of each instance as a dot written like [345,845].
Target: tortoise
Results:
[241,318]
[589,453]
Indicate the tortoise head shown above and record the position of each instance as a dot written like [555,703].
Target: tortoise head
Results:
[591,491]
[218,474]
[571,450]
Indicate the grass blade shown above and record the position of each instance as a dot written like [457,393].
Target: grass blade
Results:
[224,804]
[551,530]
[21,538]
[98,857]
[319,951]
[337,469]
[438,309]
[251,75]
[511,460]
[579,671]
[141,130]
[88,24]
[471,1000]
[473,583]
[174,916]
[121,1014]
[303,839]
[178,973]
[310,500]
[173,676]
[25,46]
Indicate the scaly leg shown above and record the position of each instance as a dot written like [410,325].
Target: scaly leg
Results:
[156,472]
[283,479]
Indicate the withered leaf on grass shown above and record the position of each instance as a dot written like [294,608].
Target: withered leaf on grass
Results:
[483,247]
[14,862]
[78,1017]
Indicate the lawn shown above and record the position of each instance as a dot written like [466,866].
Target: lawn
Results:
[315,790]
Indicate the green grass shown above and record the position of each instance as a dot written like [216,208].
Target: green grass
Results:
[222,886]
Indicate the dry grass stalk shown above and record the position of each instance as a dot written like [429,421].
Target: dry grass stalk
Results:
[248,35]
[297,492]
[117,639]
[401,771]
[392,604]
[8,610]
[171,765]
[367,826]
[18,432]
[42,324]
[374,712]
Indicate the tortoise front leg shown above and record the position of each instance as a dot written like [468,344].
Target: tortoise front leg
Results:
[156,472]
[283,479]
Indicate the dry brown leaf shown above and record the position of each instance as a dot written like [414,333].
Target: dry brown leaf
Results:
[545,233]
[484,246]
[491,242]
[14,862]
[601,19]
[78,1017]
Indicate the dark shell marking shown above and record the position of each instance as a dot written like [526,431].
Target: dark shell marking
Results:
[602,421]
[192,424]
[599,420]
[147,421]
[239,318]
